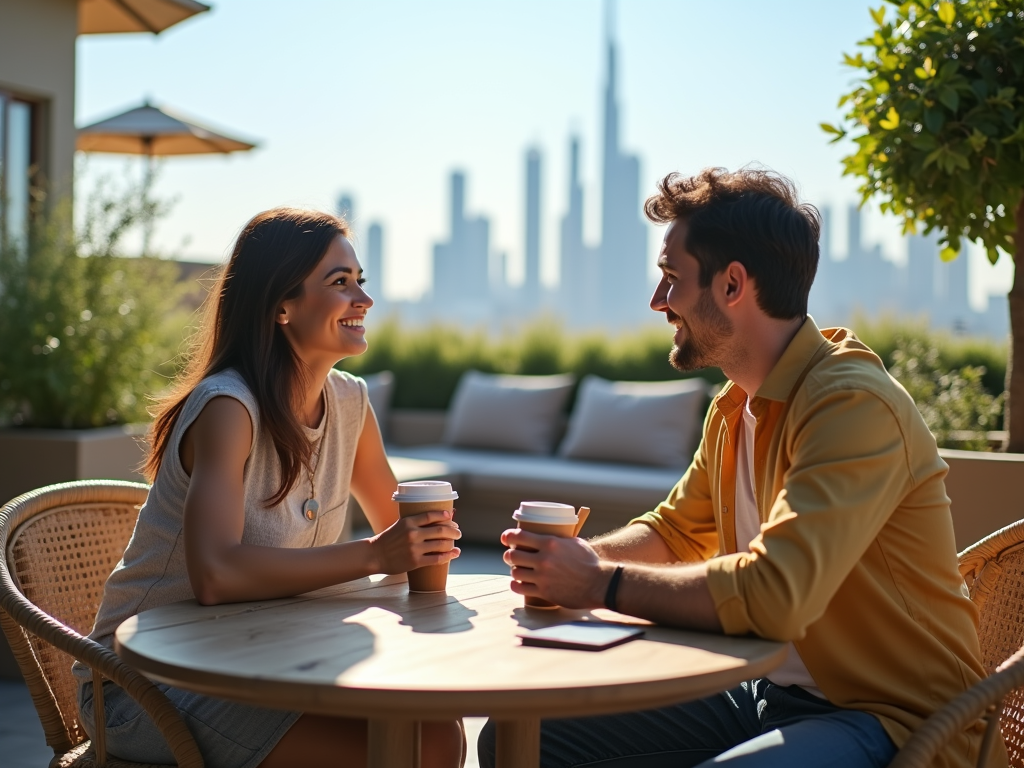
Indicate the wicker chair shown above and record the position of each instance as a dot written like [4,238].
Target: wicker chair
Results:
[994,571]
[58,545]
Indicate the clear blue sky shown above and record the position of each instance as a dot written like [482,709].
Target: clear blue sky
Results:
[383,99]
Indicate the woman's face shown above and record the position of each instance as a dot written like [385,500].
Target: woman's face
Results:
[324,323]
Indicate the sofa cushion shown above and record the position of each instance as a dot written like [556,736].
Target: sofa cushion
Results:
[535,476]
[511,413]
[638,422]
[379,388]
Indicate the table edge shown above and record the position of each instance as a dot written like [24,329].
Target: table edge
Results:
[574,701]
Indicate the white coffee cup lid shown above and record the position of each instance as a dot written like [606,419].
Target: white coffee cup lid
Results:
[424,490]
[545,512]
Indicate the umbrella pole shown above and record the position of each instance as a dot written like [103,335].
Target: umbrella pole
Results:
[147,184]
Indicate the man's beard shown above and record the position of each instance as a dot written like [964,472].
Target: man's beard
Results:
[706,333]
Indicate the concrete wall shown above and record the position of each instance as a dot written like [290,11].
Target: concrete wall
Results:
[37,62]
[986,492]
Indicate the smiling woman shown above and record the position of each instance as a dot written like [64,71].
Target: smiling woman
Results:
[254,456]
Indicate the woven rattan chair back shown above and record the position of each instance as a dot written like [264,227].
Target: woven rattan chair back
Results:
[994,572]
[61,558]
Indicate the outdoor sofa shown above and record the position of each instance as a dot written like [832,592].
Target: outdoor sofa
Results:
[507,439]
[632,443]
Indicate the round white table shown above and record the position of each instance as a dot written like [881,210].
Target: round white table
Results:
[370,649]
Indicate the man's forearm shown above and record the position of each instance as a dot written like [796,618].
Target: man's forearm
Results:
[675,595]
[633,544]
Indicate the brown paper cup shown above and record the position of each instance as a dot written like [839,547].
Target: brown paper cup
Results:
[565,531]
[430,578]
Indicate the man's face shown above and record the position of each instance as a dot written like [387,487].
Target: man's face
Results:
[702,330]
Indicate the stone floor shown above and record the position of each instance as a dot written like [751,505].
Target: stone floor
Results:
[22,744]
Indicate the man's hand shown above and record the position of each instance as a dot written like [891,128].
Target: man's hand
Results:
[566,572]
[569,572]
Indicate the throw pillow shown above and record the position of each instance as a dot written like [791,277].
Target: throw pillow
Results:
[379,388]
[509,413]
[638,422]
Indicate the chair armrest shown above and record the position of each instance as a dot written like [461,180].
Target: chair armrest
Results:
[970,706]
[30,618]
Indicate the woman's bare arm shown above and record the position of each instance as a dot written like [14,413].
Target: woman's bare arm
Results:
[222,569]
[373,482]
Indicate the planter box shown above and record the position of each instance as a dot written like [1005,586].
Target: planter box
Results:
[986,492]
[31,458]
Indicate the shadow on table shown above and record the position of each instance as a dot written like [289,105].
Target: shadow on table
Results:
[450,617]
[535,618]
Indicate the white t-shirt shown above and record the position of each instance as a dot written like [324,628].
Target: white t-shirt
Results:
[748,528]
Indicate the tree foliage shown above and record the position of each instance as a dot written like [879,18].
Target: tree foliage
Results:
[938,119]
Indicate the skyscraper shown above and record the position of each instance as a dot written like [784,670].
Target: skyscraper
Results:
[461,263]
[373,264]
[622,276]
[346,208]
[531,286]
[922,253]
[577,282]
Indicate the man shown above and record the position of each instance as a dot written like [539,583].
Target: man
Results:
[814,513]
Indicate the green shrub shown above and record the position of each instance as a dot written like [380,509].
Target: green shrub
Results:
[954,403]
[428,361]
[86,334]
[953,352]
[957,383]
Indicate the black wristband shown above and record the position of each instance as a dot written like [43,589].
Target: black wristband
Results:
[613,588]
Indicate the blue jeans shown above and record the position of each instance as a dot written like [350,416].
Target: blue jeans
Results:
[756,724]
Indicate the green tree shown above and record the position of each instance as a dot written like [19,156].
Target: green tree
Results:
[938,123]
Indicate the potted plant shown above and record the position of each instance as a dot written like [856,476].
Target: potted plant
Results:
[86,336]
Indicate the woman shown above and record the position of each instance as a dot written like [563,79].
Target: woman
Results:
[253,457]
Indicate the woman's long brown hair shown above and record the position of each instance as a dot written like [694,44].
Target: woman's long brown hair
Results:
[274,253]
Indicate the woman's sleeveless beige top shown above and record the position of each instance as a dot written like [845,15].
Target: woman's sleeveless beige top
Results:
[152,571]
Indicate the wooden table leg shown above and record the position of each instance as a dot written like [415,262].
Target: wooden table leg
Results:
[517,743]
[393,744]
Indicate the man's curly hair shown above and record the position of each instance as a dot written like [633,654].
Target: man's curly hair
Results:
[752,216]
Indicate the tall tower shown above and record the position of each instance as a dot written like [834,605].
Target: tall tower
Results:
[854,247]
[346,208]
[531,287]
[622,274]
[462,263]
[577,284]
[922,254]
[374,266]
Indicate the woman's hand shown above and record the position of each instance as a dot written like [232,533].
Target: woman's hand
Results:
[412,542]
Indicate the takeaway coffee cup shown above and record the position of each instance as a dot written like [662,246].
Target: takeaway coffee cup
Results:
[425,496]
[550,518]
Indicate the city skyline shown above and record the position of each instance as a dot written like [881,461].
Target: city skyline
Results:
[606,283]
[424,91]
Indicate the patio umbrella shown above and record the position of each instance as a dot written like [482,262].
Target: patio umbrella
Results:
[104,16]
[152,131]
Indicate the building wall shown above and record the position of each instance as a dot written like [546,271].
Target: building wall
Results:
[37,62]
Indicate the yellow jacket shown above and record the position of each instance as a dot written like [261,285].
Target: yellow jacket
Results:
[856,561]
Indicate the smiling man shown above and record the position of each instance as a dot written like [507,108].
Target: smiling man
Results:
[814,513]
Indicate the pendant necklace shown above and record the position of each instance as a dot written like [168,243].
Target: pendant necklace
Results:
[311,507]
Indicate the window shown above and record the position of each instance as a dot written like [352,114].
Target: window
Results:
[16,158]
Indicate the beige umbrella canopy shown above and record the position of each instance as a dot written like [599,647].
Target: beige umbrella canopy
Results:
[152,131]
[104,16]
